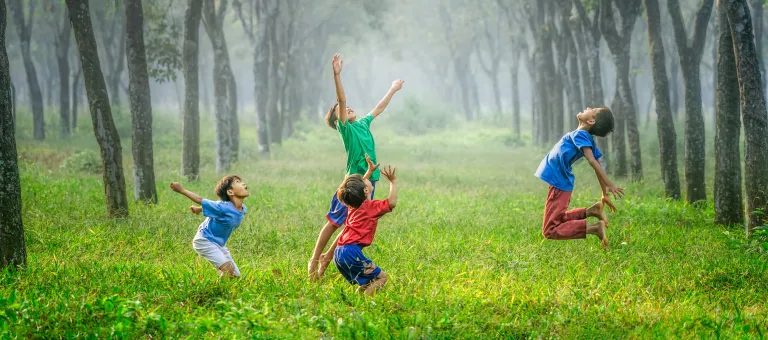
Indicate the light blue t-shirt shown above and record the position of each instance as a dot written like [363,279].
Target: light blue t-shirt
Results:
[222,219]
[556,168]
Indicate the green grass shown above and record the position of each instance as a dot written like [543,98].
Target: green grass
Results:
[463,249]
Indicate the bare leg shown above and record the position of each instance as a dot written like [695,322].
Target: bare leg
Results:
[598,210]
[376,284]
[322,241]
[325,259]
[598,229]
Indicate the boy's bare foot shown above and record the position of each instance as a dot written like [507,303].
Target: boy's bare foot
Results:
[598,210]
[325,261]
[312,269]
[598,229]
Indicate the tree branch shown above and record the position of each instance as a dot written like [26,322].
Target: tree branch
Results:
[608,25]
[700,27]
[248,28]
[681,37]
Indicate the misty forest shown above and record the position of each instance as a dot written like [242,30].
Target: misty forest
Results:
[166,169]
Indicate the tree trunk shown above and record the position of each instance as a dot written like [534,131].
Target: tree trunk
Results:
[275,123]
[757,8]
[665,125]
[190,128]
[261,55]
[729,204]
[513,72]
[753,114]
[13,102]
[690,53]
[619,43]
[141,104]
[24,28]
[114,82]
[220,83]
[13,252]
[674,83]
[101,112]
[76,97]
[62,57]
[234,125]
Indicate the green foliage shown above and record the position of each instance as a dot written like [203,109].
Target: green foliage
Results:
[463,250]
[161,38]
[84,161]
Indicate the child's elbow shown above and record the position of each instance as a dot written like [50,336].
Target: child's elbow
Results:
[392,204]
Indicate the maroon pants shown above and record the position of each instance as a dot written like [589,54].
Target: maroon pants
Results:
[560,224]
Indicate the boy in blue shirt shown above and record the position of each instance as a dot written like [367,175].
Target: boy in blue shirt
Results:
[556,170]
[222,218]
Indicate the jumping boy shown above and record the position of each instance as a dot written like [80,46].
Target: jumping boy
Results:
[556,170]
[222,218]
[358,142]
[357,193]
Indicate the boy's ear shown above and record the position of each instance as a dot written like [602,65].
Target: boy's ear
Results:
[230,192]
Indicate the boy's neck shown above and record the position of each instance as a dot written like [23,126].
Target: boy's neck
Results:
[584,127]
[237,202]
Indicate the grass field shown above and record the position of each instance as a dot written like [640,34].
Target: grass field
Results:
[463,250]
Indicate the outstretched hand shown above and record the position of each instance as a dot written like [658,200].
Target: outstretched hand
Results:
[389,173]
[397,85]
[176,186]
[616,191]
[337,64]
[371,167]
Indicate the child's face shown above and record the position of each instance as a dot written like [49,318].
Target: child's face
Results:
[587,117]
[351,114]
[368,189]
[239,189]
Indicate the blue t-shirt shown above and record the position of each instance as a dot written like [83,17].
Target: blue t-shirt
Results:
[556,168]
[222,219]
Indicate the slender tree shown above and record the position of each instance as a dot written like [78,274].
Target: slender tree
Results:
[753,113]
[63,38]
[665,124]
[619,42]
[729,204]
[213,21]
[190,147]
[141,104]
[101,111]
[24,29]
[690,53]
[13,252]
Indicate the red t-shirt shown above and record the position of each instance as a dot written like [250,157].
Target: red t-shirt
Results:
[361,223]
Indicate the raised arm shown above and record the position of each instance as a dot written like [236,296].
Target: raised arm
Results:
[389,173]
[340,97]
[382,105]
[605,184]
[176,186]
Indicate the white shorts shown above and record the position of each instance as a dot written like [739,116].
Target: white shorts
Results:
[214,253]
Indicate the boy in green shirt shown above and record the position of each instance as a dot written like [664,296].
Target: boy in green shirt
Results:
[358,142]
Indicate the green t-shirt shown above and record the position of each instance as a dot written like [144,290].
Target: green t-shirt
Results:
[358,141]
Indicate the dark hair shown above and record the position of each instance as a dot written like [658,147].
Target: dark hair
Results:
[331,117]
[352,191]
[224,185]
[603,122]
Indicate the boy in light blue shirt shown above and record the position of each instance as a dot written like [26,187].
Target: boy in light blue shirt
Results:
[222,218]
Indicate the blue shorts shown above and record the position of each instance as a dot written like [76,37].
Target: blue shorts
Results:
[337,214]
[353,265]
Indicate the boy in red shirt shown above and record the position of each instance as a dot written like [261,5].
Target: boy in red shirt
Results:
[364,213]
